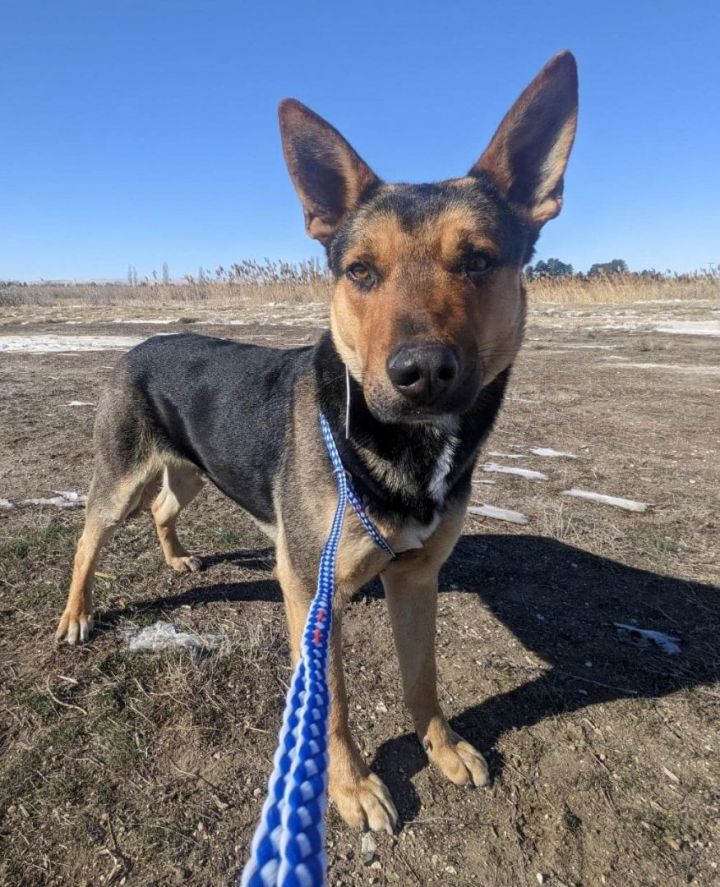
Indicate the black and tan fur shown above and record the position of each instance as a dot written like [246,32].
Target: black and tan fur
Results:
[427,316]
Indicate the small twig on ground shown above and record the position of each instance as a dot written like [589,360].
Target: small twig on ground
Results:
[197,776]
[60,702]
[578,677]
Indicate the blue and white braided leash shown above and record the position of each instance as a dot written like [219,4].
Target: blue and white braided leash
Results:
[288,849]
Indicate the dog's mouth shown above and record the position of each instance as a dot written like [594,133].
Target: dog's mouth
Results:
[390,407]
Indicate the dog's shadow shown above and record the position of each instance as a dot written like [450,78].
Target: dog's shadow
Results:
[258,559]
[562,604]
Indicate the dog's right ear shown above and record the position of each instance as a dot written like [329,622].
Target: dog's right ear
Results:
[329,176]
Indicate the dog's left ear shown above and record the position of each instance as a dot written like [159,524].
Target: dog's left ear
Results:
[529,152]
[329,176]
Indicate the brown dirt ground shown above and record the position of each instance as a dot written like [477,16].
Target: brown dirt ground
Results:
[150,769]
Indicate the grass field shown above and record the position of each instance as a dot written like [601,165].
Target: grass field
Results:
[257,283]
[149,768]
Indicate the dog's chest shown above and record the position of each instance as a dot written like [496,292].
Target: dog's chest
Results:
[413,534]
[413,475]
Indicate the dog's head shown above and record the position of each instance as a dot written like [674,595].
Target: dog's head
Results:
[428,305]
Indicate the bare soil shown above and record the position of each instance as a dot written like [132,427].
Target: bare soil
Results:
[150,769]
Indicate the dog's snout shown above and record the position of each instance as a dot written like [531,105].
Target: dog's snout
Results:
[423,372]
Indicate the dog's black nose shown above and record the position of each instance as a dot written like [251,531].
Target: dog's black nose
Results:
[423,371]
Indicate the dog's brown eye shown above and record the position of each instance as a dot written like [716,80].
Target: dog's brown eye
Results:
[361,274]
[476,266]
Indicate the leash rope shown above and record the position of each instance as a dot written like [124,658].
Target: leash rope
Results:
[288,848]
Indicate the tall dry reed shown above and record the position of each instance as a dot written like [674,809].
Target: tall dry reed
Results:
[250,282]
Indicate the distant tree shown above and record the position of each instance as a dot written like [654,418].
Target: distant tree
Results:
[165,273]
[616,266]
[130,275]
[550,268]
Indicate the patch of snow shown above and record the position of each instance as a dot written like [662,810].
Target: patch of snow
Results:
[48,343]
[508,455]
[691,328]
[667,643]
[164,636]
[689,369]
[617,501]
[80,403]
[62,499]
[154,321]
[506,514]
[589,347]
[622,325]
[550,453]
[672,302]
[553,350]
[520,472]
[6,503]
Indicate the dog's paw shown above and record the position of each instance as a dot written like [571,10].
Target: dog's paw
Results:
[74,628]
[365,804]
[185,564]
[460,762]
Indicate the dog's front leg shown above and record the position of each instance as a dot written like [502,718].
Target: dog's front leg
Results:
[411,591]
[360,796]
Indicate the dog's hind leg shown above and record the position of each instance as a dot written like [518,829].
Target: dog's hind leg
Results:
[110,501]
[180,484]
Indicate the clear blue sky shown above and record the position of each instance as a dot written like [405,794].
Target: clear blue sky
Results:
[146,132]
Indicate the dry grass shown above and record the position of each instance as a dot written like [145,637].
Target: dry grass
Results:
[245,283]
[150,769]
[625,288]
[251,283]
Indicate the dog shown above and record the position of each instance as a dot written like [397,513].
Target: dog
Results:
[426,319]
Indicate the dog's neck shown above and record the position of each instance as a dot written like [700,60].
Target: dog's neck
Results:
[402,470]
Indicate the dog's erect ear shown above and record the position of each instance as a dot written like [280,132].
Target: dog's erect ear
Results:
[329,177]
[529,152]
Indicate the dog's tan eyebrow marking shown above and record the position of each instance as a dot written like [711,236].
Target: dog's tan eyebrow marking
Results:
[380,239]
[456,231]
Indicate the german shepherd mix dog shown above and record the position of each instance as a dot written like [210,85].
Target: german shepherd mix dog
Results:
[426,320]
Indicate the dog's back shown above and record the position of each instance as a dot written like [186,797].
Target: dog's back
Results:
[220,404]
